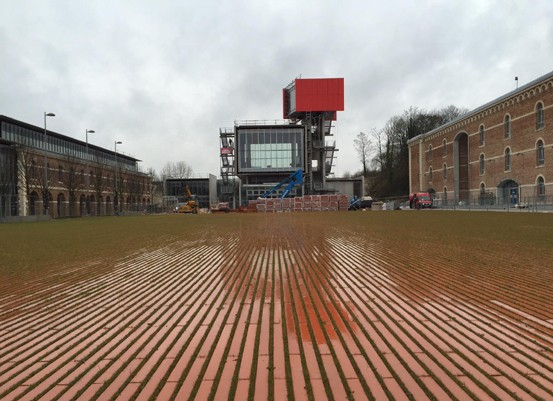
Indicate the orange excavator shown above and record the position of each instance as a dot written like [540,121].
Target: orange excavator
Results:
[190,205]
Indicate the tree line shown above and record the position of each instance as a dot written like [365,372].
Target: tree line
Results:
[384,152]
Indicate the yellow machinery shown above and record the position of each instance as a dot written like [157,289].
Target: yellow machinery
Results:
[190,205]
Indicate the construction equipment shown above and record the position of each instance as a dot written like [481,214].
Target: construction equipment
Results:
[295,178]
[362,203]
[221,207]
[189,205]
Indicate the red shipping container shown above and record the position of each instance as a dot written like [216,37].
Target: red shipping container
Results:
[319,94]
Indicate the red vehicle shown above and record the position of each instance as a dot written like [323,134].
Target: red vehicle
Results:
[420,200]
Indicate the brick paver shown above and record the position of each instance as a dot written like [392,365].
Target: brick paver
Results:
[284,307]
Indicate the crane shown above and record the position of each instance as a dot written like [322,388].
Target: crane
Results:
[295,178]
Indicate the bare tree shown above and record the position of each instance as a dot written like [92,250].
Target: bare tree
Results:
[24,166]
[362,145]
[176,170]
[30,173]
[71,180]
[451,113]
[8,180]
[99,182]
[154,176]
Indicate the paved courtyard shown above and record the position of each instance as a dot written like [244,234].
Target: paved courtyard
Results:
[297,306]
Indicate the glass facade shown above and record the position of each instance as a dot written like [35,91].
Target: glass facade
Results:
[270,148]
[62,146]
[198,187]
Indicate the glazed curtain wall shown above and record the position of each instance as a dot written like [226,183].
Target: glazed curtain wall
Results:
[270,149]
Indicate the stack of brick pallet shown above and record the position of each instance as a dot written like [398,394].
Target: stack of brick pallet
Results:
[307,203]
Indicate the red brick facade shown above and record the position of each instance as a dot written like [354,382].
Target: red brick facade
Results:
[469,158]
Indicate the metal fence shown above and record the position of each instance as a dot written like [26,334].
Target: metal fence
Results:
[528,203]
[486,202]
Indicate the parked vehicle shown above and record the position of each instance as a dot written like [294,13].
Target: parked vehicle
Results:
[420,200]
[360,203]
[221,207]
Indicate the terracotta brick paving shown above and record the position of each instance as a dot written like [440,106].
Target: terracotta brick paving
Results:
[289,306]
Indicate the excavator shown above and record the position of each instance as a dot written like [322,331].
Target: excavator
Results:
[190,204]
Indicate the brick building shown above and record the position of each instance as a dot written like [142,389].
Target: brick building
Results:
[498,154]
[46,173]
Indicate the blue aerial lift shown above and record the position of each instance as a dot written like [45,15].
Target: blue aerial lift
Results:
[295,178]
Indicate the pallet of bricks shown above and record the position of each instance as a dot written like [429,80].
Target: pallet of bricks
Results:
[307,203]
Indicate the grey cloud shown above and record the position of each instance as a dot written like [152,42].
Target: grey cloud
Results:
[164,76]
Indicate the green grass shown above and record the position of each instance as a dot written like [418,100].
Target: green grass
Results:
[28,249]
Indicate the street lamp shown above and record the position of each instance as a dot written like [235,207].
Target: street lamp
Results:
[116,179]
[88,131]
[46,193]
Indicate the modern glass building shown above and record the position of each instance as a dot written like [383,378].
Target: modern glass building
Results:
[266,154]
[262,154]
[270,149]
[205,189]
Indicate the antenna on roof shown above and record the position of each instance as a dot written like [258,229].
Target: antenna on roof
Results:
[516,80]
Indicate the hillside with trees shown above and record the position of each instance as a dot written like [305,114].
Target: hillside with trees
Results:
[388,171]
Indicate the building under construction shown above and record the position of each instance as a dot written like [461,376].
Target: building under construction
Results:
[261,154]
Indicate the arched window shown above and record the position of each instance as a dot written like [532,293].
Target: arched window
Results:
[482,136]
[444,144]
[430,153]
[445,171]
[507,159]
[34,172]
[540,153]
[540,187]
[507,126]
[482,189]
[482,164]
[430,174]
[445,195]
[539,116]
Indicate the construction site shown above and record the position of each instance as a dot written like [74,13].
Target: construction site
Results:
[279,305]
[261,159]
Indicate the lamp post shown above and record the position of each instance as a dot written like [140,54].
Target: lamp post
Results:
[46,193]
[88,209]
[116,179]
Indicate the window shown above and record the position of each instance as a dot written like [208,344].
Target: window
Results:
[482,164]
[430,174]
[445,171]
[34,172]
[444,144]
[507,159]
[430,153]
[540,187]
[540,153]
[269,149]
[445,195]
[539,116]
[482,189]
[507,127]
[482,136]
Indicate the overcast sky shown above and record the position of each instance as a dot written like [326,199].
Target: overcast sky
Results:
[163,76]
